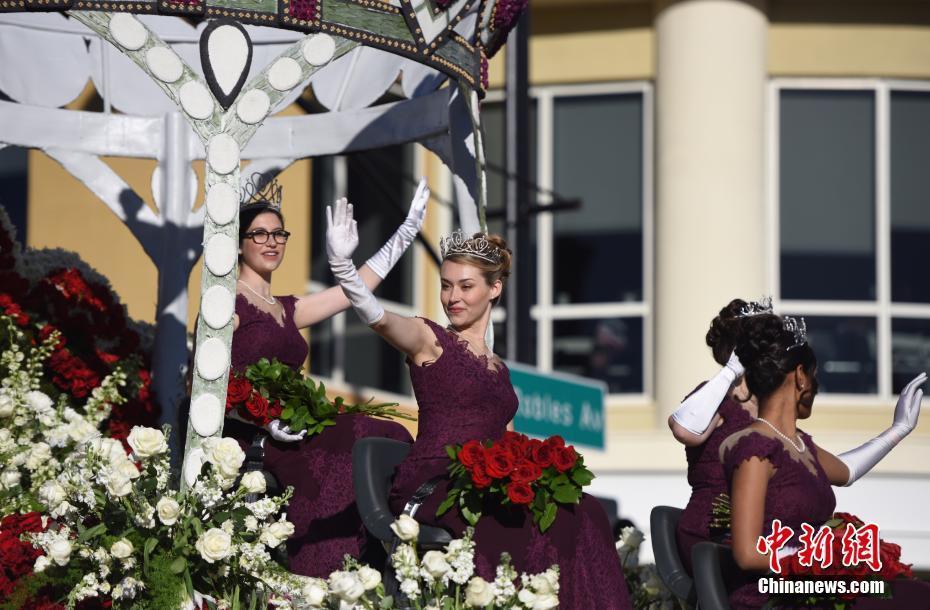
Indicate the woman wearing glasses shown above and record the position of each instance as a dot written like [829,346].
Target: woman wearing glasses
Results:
[326,521]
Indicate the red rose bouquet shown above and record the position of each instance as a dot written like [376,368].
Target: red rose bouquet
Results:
[517,470]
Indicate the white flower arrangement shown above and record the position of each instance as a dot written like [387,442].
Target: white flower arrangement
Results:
[647,590]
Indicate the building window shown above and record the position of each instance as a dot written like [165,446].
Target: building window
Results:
[379,184]
[14,187]
[853,213]
[591,267]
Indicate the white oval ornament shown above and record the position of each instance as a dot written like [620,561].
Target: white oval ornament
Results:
[206,415]
[193,465]
[223,153]
[128,31]
[220,254]
[212,359]
[217,307]
[222,203]
[319,49]
[284,74]
[253,106]
[164,64]
[196,100]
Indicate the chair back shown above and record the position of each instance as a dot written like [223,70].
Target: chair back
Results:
[373,462]
[711,563]
[663,522]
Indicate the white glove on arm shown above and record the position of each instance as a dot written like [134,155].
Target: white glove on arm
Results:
[696,411]
[283,433]
[341,241]
[384,259]
[864,457]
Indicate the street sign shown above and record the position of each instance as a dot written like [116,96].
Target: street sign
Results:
[558,403]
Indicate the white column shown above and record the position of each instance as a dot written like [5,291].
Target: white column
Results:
[710,155]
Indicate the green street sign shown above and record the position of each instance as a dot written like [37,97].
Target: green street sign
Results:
[558,403]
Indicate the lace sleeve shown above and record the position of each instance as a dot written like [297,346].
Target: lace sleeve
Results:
[749,446]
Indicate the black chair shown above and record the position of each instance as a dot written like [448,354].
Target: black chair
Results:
[663,521]
[712,562]
[373,463]
[255,461]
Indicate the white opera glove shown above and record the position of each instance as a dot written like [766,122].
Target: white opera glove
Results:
[384,259]
[864,457]
[283,433]
[341,241]
[696,411]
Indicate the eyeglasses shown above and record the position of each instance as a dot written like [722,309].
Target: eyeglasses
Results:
[261,236]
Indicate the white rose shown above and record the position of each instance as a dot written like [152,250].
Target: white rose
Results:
[434,562]
[5,434]
[227,457]
[631,537]
[60,551]
[214,545]
[251,523]
[168,510]
[479,592]
[126,468]
[42,562]
[526,597]
[81,430]
[370,578]
[39,454]
[541,585]
[39,401]
[406,528]
[346,586]
[51,494]
[121,549]
[254,482]
[9,478]
[276,533]
[545,602]
[109,449]
[314,593]
[6,405]
[118,484]
[146,442]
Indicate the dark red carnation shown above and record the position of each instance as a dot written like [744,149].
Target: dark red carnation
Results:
[543,455]
[564,458]
[498,462]
[526,472]
[520,493]
[471,453]
[479,477]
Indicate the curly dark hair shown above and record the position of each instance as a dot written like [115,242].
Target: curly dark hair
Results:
[763,349]
[725,331]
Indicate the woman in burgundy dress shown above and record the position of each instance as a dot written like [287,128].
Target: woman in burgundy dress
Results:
[774,469]
[712,412]
[464,393]
[326,521]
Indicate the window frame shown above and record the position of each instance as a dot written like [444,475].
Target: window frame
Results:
[883,310]
[545,312]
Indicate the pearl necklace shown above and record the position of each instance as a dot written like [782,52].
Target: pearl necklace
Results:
[270,301]
[800,449]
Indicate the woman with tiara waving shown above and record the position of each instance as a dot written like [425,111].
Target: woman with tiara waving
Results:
[713,411]
[775,471]
[464,393]
[326,521]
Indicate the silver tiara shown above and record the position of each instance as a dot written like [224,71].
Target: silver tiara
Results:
[459,243]
[798,328]
[261,189]
[756,308]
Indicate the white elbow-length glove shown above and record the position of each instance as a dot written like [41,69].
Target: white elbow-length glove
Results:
[864,457]
[384,259]
[283,433]
[341,241]
[696,411]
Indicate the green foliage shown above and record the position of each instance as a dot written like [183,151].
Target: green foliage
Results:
[163,587]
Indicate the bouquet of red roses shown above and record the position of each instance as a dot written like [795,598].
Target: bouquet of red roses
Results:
[517,470]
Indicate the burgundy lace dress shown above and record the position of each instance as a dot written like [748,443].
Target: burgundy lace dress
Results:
[462,398]
[707,480]
[326,522]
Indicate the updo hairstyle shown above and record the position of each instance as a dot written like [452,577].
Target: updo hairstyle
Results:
[725,331]
[491,271]
[763,349]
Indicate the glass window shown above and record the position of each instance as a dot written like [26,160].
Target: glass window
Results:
[910,350]
[371,361]
[609,349]
[910,196]
[598,159]
[827,190]
[322,349]
[14,187]
[846,353]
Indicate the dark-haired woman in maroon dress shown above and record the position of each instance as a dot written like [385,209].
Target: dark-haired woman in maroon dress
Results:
[326,521]
[464,393]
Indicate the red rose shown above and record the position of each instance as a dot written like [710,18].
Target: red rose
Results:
[526,472]
[564,458]
[257,407]
[274,410]
[238,391]
[480,478]
[471,453]
[556,441]
[543,455]
[498,462]
[520,493]
[531,446]
[107,358]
